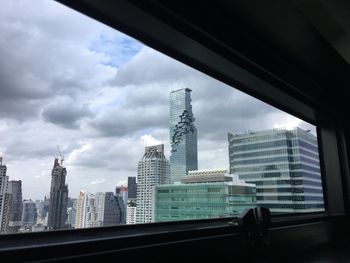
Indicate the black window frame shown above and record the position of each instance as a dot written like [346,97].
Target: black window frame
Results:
[213,58]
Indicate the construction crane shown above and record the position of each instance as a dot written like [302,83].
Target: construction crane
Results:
[62,157]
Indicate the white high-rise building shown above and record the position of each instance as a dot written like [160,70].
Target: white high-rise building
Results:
[94,210]
[79,217]
[131,212]
[153,169]
[100,207]
[86,211]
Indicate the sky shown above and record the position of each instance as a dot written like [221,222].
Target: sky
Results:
[101,96]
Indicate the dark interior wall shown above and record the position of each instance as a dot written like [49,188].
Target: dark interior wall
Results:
[280,37]
[280,42]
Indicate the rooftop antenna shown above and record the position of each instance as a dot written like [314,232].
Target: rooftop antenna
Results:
[62,157]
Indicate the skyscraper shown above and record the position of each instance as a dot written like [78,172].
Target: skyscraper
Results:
[113,214]
[183,135]
[81,209]
[29,214]
[121,204]
[4,197]
[132,187]
[284,165]
[89,215]
[95,210]
[123,192]
[58,197]
[152,170]
[108,213]
[14,217]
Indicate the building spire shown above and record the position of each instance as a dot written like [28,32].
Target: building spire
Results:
[59,152]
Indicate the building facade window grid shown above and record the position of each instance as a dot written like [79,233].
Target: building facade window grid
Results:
[153,169]
[183,135]
[296,163]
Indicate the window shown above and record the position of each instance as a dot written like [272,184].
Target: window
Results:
[117,127]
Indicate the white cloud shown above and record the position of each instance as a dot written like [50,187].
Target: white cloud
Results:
[100,181]
[149,140]
[76,153]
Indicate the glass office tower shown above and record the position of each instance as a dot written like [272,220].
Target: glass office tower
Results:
[284,165]
[202,195]
[183,135]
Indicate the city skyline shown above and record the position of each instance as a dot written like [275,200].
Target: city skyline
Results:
[252,156]
[87,91]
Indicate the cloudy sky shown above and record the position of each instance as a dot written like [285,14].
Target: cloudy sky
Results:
[102,96]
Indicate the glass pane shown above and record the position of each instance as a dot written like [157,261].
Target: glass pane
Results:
[98,130]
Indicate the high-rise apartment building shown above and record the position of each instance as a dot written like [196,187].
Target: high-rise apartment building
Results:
[14,217]
[58,197]
[87,214]
[131,212]
[203,194]
[152,170]
[183,135]
[81,206]
[96,210]
[284,165]
[4,198]
[91,212]
[108,212]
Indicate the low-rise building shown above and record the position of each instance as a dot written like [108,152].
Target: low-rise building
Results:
[203,194]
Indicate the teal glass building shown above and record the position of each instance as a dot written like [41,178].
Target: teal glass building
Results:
[183,135]
[202,197]
[284,165]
